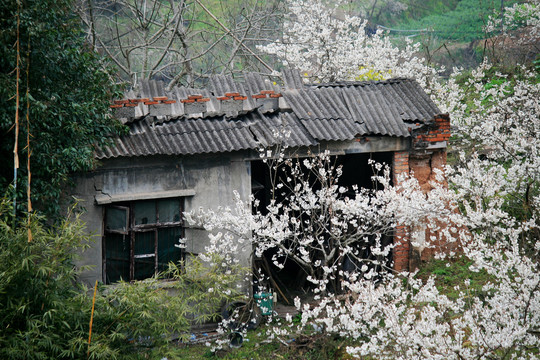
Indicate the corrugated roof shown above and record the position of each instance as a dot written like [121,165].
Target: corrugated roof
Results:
[342,111]
[292,79]
[312,113]
[183,136]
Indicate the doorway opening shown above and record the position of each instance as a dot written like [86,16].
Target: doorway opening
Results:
[291,279]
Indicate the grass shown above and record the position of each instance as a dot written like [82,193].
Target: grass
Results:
[463,23]
[257,346]
[451,272]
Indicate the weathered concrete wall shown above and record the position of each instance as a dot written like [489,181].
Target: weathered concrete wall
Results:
[213,178]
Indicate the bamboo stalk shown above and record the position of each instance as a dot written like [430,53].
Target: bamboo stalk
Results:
[91,320]
[29,175]
[17,100]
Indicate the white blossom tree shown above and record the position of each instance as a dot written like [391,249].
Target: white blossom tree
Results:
[496,185]
[512,35]
[329,45]
[491,206]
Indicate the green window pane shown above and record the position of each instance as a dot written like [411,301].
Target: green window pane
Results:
[145,256]
[145,242]
[117,249]
[144,212]
[167,251]
[116,219]
[169,210]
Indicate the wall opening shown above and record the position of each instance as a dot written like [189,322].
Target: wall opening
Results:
[292,279]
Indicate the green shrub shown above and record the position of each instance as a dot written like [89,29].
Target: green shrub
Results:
[45,313]
[42,315]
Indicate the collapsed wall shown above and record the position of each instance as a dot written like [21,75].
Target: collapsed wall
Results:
[427,155]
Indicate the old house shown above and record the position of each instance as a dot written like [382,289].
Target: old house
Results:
[191,148]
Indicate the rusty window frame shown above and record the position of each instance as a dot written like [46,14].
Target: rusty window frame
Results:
[132,230]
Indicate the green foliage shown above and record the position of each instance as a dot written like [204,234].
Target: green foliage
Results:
[417,9]
[145,316]
[45,313]
[70,89]
[42,315]
[464,23]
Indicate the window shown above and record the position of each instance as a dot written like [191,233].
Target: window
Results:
[140,238]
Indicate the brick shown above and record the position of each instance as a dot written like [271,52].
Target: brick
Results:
[224,98]
[187,101]
[259,96]
[121,102]
[203,100]
[140,100]
[194,107]
[114,106]
[240,98]
[232,94]
[125,112]
[160,110]
[400,155]
[168,101]
[160,98]
[231,106]
[131,104]
[151,102]
[401,249]
[267,92]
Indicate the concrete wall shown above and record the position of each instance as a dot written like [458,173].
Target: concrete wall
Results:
[213,178]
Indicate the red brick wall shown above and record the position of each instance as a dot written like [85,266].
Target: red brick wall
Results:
[401,252]
[438,131]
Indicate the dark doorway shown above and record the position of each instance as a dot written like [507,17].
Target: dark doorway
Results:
[356,171]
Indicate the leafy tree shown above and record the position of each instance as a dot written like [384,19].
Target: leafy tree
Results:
[40,311]
[67,89]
